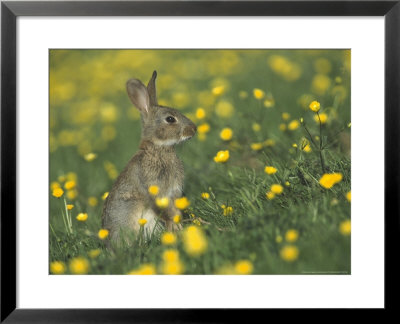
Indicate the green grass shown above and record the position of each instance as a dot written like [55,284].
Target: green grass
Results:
[251,231]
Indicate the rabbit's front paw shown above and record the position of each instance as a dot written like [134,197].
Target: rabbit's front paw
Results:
[173,227]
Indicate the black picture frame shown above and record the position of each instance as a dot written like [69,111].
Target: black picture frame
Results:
[11,10]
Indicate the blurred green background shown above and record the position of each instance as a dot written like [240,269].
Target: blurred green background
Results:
[261,96]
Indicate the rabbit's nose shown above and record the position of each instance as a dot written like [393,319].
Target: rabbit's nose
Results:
[190,130]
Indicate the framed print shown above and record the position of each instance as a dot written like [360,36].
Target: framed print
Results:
[243,154]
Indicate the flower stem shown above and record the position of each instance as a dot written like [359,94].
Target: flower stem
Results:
[68,217]
[317,147]
[321,157]
[311,138]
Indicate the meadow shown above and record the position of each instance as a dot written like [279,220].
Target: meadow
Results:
[267,176]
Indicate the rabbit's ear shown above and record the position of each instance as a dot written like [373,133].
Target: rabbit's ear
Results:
[151,89]
[138,94]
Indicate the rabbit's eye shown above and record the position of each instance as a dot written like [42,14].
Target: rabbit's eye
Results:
[170,119]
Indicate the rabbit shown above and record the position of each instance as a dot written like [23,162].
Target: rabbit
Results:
[156,163]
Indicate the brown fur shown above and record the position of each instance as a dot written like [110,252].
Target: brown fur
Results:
[156,163]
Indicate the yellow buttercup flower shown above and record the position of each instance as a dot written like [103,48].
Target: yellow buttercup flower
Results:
[328,180]
[162,202]
[205,195]
[256,146]
[228,211]
[282,127]
[243,267]
[90,157]
[54,185]
[71,184]
[111,170]
[105,195]
[72,194]
[144,269]
[278,239]
[69,206]
[285,116]
[79,265]
[345,227]
[200,113]
[172,268]
[270,170]
[277,189]
[291,235]
[203,128]
[348,196]
[153,190]
[182,203]
[293,125]
[315,106]
[92,201]
[258,93]
[224,109]
[82,217]
[108,113]
[289,253]
[256,127]
[287,183]
[168,238]
[71,176]
[94,253]
[142,221]
[304,144]
[320,84]
[269,102]
[284,67]
[307,148]
[226,134]
[170,255]
[222,156]
[217,91]
[194,241]
[270,195]
[177,219]
[103,234]
[57,267]
[323,117]
[58,192]
[269,142]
